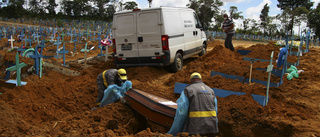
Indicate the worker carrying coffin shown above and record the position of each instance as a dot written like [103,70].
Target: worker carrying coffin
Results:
[197,109]
[112,84]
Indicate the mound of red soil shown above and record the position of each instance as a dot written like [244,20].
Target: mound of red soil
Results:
[60,105]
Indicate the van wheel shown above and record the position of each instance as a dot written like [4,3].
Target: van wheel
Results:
[177,64]
[203,51]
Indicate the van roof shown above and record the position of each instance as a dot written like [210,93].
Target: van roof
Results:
[155,8]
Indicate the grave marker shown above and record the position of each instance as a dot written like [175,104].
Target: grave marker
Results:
[75,43]
[85,50]
[22,35]
[37,61]
[11,40]
[37,37]
[52,38]
[64,52]
[22,49]
[57,43]
[5,32]
[30,41]
[17,68]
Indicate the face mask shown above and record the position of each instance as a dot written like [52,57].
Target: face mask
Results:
[225,18]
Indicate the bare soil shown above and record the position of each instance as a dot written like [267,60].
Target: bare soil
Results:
[60,105]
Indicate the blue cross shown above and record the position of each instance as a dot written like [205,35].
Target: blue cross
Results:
[33,35]
[21,49]
[36,57]
[85,49]
[22,35]
[57,43]
[75,43]
[9,37]
[90,36]
[99,38]
[71,36]
[52,37]
[37,36]
[1,34]
[29,40]
[64,52]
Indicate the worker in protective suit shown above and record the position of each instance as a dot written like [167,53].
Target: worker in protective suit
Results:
[197,109]
[110,77]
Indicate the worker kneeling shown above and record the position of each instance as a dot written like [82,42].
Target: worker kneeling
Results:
[197,109]
[112,84]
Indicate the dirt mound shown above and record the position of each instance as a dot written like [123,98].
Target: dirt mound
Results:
[60,105]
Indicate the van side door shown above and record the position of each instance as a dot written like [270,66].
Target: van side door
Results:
[189,33]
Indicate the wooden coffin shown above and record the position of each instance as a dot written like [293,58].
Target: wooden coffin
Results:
[149,106]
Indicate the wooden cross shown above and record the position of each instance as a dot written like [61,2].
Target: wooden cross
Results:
[85,50]
[17,68]
[11,40]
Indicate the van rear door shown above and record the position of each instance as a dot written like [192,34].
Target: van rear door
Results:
[125,27]
[149,35]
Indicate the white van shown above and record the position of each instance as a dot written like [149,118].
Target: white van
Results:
[160,36]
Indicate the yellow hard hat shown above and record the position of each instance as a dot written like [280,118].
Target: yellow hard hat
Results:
[122,74]
[195,75]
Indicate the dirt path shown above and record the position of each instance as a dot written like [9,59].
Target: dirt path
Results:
[16,24]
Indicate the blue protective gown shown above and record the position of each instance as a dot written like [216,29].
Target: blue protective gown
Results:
[114,92]
[182,114]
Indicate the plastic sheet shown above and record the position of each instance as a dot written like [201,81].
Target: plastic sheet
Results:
[281,56]
[181,115]
[114,92]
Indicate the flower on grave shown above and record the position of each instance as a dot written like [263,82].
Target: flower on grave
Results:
[106,42]
[293,44]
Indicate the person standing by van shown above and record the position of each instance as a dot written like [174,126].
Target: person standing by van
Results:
[228,28]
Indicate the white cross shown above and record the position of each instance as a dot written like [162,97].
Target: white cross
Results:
[12,40]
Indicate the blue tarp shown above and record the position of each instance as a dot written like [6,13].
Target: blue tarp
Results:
[281,57]
[114,92]
[243,79]
[181,115]
[243,52]
[240,78]
[179,87]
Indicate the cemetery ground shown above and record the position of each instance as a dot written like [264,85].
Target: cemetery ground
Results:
[60,103]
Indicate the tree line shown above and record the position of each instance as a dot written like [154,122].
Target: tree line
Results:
[293,13]
[68,9]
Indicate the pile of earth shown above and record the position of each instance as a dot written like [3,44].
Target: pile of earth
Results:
[61,105]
